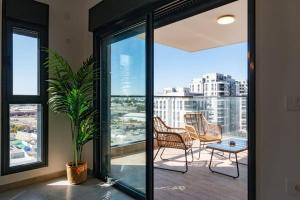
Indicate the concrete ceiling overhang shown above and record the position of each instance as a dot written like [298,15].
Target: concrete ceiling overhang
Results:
[202,31]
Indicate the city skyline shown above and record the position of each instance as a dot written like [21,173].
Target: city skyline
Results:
[201,77]
[170,72]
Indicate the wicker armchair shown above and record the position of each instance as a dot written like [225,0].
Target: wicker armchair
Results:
[200,129]
[175,138]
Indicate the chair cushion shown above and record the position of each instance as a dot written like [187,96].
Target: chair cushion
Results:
[209,138]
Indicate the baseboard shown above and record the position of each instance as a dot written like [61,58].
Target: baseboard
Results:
[33,180]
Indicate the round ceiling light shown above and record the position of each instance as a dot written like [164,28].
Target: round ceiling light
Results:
[226,19]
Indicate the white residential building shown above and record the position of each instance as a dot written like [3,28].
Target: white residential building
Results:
[172,108]
[214,94]
[243,87]
[243,114]
[180,91]
[197,86]
[215,84]
[224,111]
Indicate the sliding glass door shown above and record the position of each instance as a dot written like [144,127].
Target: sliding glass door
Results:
[124,51]
[127,107]
[123,109]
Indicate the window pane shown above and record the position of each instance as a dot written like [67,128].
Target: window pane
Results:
[25,64]
[126,58]
[25,134]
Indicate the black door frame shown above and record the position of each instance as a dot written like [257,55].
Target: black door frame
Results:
[158,16]
[100,142]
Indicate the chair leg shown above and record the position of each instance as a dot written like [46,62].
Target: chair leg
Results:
[162,154]
[199,150]
[186,162]
[174,170]
[156,153]
[192,154]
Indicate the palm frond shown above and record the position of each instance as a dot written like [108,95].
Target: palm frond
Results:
[87,130]
[71,93]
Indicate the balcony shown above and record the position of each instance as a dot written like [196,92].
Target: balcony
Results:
[128,149]
[199,182]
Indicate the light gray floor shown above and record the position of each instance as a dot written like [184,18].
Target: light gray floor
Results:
[130,170]
[199,183]
[59,189]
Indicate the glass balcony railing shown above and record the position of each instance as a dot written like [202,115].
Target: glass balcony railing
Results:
[128,116]
[128,122]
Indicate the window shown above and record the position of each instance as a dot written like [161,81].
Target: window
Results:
[25,62]
[25,110]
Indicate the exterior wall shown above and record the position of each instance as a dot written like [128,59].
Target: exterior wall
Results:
[243,88]
[197,86]
[215,84]
[243,114]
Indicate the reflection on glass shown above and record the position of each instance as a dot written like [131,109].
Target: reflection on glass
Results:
[127,108]
[25,134]
[25,64]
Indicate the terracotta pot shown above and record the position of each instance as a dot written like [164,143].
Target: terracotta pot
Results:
[76,175]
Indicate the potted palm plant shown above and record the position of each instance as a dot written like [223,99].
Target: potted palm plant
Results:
[71,93]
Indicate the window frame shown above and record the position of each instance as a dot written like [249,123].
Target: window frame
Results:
[26,29]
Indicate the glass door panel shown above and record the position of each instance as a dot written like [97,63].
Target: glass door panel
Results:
[126,65]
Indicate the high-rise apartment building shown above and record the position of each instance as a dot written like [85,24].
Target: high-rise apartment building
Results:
[243,87]
[197,86]
[215,84]
[219,97]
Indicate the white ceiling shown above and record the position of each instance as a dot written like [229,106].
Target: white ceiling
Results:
[203,32]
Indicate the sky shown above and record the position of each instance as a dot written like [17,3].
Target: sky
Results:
[128,67]
[172,67]
[176,68]
[25,65]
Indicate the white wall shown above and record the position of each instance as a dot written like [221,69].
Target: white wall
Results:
[278,75]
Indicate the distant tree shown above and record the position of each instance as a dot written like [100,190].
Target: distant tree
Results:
[13,128]
[140,108]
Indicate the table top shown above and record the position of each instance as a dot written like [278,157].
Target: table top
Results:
[240,145]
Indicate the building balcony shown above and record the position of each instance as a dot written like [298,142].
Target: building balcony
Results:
[128,149]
